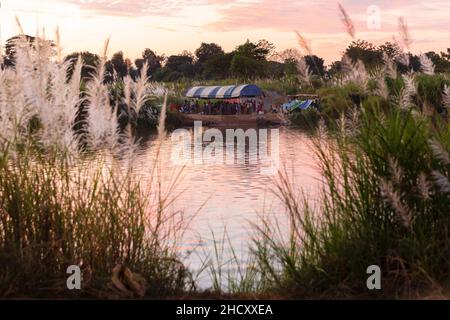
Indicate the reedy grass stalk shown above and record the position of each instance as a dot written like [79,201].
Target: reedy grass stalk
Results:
[61,206]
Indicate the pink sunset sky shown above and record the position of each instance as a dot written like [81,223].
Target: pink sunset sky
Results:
[170,26]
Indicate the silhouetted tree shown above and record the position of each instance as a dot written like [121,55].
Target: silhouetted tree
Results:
[176,67]
[391,49]
[257,51]
[207,51]
[290,67]
[441,62]
[274,70]
[316,65]
[250,59]
[120,65]
[446,55]
[154,62]
[366,52]
[246,67]
[218,66]
[90,62]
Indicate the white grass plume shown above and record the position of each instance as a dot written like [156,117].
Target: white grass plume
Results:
[303,71]
[347,21]
[393,200]
[140,89]
[403,58]
[390,69]
[37,87]
[405,100]
[410,83]
[439,152]
[355,73]
[404,33]
[409,90]
[404,42]
[303,43]
[127,92]
[354,121]
[446,97]
[162,119]
[382,89]
[395,170]
[426,65]
[424,186]
[441,181]
[322,131]
[347,64]
[102,117]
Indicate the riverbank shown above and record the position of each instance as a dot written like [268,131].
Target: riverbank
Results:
[243,120]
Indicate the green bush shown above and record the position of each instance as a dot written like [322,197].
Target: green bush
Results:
[306,119]
[335,101]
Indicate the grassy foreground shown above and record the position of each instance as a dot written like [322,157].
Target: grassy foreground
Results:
[56,213]
[71,197]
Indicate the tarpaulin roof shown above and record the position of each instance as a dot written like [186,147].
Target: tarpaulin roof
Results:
[224,92]
[302,105]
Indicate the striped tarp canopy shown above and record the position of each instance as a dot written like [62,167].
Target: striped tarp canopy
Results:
[224,92]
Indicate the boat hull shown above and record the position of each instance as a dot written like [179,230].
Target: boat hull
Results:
[242,120]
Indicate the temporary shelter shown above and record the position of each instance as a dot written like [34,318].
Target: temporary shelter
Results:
[224,92]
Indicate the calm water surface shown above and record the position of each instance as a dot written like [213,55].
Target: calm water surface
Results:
[231,197]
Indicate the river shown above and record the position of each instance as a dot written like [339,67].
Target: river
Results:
[230,198]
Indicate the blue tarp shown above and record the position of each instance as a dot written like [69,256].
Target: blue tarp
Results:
[297,104]
[224,92]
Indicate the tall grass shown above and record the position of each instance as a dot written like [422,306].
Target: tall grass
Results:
[385,201]
[72,197]
[386,189]
[54,215]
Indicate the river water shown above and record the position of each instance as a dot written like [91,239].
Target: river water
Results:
[229,198]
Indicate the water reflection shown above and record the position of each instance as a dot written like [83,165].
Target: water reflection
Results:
[231,196]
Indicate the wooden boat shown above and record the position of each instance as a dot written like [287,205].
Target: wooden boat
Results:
[238,120]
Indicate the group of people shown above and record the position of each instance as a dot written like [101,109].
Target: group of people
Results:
[222,107]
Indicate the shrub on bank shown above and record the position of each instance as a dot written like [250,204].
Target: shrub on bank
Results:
[306,119]
[385,202]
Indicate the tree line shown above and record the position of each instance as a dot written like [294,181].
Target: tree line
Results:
[249,60]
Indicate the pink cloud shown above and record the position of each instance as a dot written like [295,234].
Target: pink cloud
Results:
[281,15]
[323,16]
[319,20]
[320,16]
[138,8]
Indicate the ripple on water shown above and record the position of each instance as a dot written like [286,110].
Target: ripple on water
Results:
[231,197]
